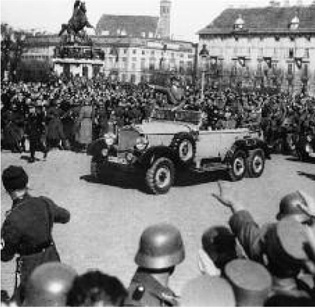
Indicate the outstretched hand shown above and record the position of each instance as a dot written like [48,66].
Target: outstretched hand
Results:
[223,198]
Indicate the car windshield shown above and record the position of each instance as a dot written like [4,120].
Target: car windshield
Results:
[188,116]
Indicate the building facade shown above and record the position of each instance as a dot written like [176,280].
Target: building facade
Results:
[135,49]
[127,59]
[272,46]
[140,60]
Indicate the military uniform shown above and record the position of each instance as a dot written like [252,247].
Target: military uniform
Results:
[161,249]
[26,231]
[146,291]
[250,235]
[36,129]
[260,246]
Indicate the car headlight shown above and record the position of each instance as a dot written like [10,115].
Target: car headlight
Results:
[110,139]
[129,157]
[105,152]
[141,143]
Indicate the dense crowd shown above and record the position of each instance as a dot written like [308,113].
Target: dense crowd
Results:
[71,113]
[241,264]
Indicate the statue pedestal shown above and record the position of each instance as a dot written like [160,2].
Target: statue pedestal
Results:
[78,61]
[75,67]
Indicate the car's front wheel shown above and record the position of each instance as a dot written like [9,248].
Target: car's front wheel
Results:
[238,168]
[94,169]
[160,176]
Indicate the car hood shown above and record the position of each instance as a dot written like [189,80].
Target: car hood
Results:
[164,128]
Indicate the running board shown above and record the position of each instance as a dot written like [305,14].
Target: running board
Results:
[211,167]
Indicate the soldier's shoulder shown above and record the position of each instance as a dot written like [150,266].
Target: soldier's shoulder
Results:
[149,294]
[139,295]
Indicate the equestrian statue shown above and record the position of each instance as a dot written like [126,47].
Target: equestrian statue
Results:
[78,21]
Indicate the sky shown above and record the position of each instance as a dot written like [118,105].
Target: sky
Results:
[187,16]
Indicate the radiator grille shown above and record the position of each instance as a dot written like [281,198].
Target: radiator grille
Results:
[127,139]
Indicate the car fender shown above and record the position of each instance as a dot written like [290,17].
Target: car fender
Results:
[95,148]
[247,145]
[153,153]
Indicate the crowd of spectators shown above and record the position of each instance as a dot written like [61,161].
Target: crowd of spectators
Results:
[60,107]
[242,264]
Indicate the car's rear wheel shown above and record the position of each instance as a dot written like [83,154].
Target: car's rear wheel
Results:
[94,169]
[256,163]
[160,176]
[238,168]
[301,149]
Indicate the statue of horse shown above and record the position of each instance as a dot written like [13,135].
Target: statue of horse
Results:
[78,21]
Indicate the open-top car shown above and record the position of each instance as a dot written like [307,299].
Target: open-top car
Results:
[177,139]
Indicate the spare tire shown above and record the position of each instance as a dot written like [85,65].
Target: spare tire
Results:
[184,147]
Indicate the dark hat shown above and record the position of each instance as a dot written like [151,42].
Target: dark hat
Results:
[251,282]
[207,291]
[219,243]
[285,243]
[14,178]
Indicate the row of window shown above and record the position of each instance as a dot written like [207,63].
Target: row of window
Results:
[152,53]
[263,52]
[255,39]
[35,57]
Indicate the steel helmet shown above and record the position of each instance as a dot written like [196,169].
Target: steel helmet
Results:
[290,205]
[161,246]
[49,284]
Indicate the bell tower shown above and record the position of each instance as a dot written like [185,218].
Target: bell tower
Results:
[164,27]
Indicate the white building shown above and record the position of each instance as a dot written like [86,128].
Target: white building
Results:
[136,48]
[270,45]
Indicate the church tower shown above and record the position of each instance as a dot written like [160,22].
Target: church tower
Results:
[164,27]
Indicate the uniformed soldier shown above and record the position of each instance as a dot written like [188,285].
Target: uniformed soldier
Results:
[219,247]
[250,235]
[161,248]
[281,251]
[27,229]
[286,252]
[35,128]
[48,285]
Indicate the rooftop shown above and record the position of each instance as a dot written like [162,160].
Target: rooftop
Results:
[127,25]
[266,19]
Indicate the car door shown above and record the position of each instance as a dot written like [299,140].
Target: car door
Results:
[215,144]
[208,144]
